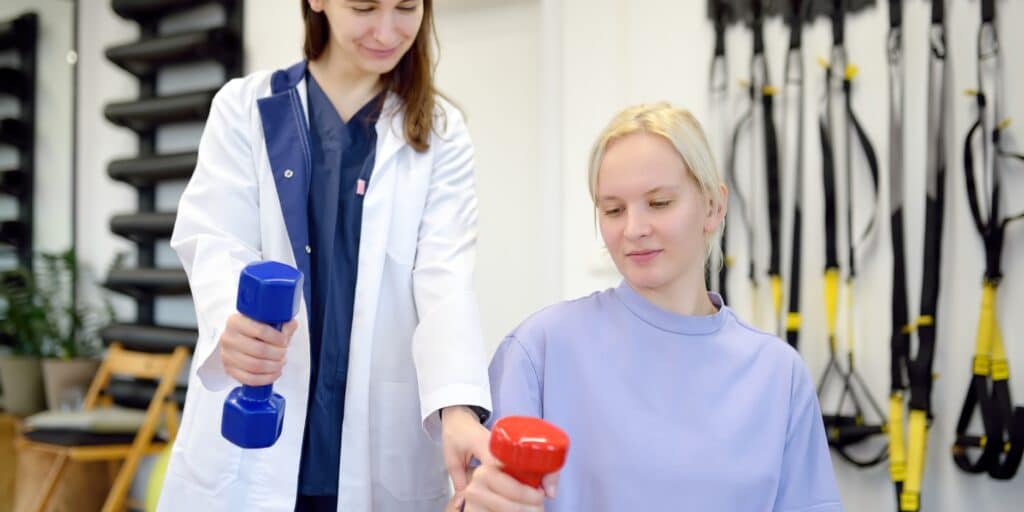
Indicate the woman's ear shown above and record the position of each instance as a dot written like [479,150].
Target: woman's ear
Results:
[716,210]
[316,5]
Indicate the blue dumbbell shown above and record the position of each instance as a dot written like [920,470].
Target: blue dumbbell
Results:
[269,293]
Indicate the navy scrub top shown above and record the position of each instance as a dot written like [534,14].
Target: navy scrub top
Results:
[342,154]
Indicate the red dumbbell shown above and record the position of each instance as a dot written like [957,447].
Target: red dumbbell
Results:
[528,448]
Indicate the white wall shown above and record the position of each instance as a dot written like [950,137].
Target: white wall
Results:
[540,78]
[490,54]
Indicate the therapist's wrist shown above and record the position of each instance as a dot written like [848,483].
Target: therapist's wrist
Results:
[478,413]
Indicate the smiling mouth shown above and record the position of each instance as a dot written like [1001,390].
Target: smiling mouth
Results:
[643,256]
[381,53]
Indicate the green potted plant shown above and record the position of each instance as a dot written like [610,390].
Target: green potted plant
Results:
[72,344]
[24,328]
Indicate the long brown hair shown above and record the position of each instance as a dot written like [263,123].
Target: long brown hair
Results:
[412,79]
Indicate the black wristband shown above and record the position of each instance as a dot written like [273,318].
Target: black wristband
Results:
[481,413]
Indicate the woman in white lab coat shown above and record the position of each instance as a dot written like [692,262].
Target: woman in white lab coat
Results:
[353,169]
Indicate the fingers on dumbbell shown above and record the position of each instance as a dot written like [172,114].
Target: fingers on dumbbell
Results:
[257,330]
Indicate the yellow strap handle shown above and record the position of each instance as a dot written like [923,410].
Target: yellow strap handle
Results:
[1000,366]
[793,322]
[849,321]
[910,499]
[897,449]
[777,292]
[921,321]
[983,342]
[831,303]
[776,283]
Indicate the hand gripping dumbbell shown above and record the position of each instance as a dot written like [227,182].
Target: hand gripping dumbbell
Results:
[269,293]
[528,448]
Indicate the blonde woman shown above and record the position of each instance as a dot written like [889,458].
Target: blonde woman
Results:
[671,401]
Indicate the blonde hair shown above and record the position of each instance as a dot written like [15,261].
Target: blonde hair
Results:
[683,131]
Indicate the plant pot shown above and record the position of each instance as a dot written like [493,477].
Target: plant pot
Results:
[67,381]
[22,379]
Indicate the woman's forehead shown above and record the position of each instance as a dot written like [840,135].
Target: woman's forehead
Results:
[641,171]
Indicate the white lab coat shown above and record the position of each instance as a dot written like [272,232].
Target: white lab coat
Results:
[416,343]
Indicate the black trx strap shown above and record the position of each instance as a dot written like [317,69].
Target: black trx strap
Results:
[718,89]
[900,339]
[1002,443]
[759,67]
[844,430]
[907,461]
[793,136]
[760,115]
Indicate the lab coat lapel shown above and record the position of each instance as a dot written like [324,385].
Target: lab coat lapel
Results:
[285,121]
[377,209]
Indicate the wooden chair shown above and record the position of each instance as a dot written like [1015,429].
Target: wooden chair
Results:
[163,368]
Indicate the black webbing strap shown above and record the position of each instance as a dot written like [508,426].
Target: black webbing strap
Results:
[919,367]
[793,130]
[831,271]
[845,430]
[771,163]
[978,398]
[718,14]
[900,339]
[864,142]
[989,392]
[899,343]
[935,194]
[719,93]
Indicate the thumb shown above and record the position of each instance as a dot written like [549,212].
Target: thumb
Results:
[485,457]
[480,447]
[550,483]
[455,504]
[290,328]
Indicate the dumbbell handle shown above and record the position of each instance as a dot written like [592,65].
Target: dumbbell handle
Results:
[526,478]
[260,393]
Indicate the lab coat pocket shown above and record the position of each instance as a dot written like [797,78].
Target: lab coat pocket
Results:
[409,466]
[211,461]
[401,246]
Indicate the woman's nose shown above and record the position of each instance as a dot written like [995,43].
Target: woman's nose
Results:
[385,31]
[637,225]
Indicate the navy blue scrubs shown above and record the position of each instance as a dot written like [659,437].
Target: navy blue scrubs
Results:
[342,156]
